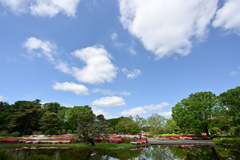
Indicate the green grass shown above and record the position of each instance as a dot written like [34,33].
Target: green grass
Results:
[170,135]
[97,146]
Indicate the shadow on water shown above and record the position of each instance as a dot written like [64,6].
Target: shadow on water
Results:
[158,152]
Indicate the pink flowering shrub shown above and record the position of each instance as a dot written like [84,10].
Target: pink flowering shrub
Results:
[115,140]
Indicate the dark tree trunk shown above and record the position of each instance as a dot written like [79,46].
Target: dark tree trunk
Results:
[25,128]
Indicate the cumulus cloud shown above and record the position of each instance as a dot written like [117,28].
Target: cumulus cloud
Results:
[167,27]
[71,87]
[134,111]
[98,69]
[131,74]
[111,93]
[1,98]
[109,102]
[157,106]
[228,16]
[165,114]
[63,66]
[43,8]
[98,111]
[40,48]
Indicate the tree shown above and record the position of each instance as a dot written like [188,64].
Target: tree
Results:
[113,122]
[50,123]
[26,114]
[133,128]
[140,121]
[230,101]
[122,124]
[100,127]
[156,122]
[5,113]
[51,107]
[83,118]
[196,112]
[171,127]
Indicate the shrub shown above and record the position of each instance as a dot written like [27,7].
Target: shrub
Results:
[46,132]
[235,130]
[4,133]
[15,134]
[59,132]
[6,156]
[69,131]
[214,130]
[127,139]
[64,131]
[35,133]
[217,141]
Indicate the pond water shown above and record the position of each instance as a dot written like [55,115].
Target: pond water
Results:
[157,152]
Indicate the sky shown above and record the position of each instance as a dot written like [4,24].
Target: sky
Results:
[120,57]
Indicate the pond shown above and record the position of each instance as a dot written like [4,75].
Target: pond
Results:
[156,152]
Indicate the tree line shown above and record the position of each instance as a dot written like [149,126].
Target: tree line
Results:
[198,113]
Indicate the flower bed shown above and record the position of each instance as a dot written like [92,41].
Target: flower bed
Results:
[183,138]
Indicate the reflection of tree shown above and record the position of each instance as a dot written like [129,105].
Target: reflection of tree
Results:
[158,152]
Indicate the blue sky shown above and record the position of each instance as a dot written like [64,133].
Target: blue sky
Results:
[120,57]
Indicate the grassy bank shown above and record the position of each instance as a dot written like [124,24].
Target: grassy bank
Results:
[226,140]
[97,146]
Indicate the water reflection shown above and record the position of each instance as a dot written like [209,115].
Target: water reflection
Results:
[158,152]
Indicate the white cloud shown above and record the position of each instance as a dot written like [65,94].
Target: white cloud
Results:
[157,107]
[43,8]
[38,48]
[165,114]
[228,16]
[63,66]
[98,111]
[98,69]
[72,87]
[1,98]
[134,111]
[166,27]
[114,37]
[111,93]
[131,74]
[234,73]
[109,102]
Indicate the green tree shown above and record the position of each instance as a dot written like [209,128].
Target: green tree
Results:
[25,116]
[122,124]
[140,121]
[230,101]
[50,123]
[6,111]
[196,112]
[171,126]
[156,122]
[214,130]
[100,127]
[133,128]
[113,122]
[51,107]
[83,118]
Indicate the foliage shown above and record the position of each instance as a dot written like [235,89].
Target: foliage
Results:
[15,134]
[196,112]
[40,157]
[235,130]
[113,122]
[230,101]
[51,107]
[171,127]
[133,128]
[217,141]
[214,130]
[50,123]
[140,121]
[122,125]
[5,112]
[4,133]
[156,122]
[25,116]
[6,156]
